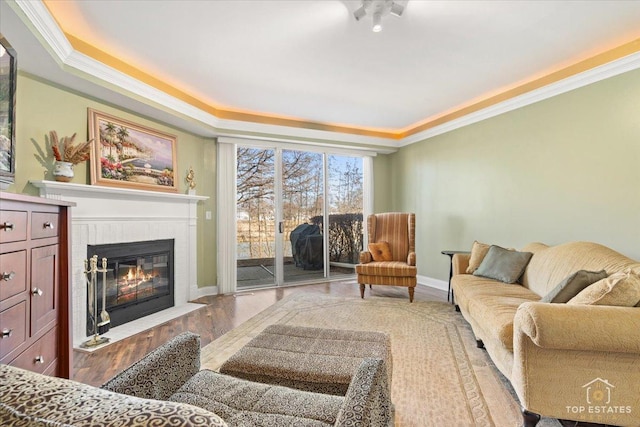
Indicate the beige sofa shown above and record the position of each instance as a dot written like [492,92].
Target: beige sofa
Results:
[576,362]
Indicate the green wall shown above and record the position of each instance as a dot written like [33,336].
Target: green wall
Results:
[42,107]
[382,196]
[563,169]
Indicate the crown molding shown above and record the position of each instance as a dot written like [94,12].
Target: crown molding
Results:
[55,40]
[64,53]
[262,131]
[602,72]
[292,143]
[46,27]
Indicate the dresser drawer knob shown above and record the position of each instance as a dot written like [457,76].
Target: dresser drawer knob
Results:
[39,359]
[48,225]
[6,333]
[7,226]
[36,291]
[8,276]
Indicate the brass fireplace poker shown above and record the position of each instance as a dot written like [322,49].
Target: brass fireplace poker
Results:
[91,270]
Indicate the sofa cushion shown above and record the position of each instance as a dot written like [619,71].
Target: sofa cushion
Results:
[550,266]
[245,403]
[620,289]
[495,309]
[503,264]
[380,251]
[10,417]
[387,268]
[492,304]
[465,287]
[55,401]
[572,285]
[478,252]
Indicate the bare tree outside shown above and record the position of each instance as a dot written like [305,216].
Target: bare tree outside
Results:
[255,202]
[345,181]
[345,218]
[303,199]
[302,186]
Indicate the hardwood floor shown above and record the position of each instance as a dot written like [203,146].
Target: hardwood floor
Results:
[221,314]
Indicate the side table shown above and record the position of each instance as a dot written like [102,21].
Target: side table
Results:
[451,254]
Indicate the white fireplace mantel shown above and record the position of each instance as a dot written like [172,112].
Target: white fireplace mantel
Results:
[56,190]
[105,215]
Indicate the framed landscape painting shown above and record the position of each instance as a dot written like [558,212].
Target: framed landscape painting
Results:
[129,155]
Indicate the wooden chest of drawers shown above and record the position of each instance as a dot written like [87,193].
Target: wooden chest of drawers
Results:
[35,317]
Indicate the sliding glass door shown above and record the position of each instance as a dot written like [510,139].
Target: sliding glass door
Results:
[285,199]
[345,213]
[302,213]
[255,217]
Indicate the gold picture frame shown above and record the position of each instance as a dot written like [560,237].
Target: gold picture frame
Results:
[129,155]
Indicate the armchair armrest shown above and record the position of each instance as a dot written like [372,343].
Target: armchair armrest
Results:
[411,258]
[162,372]
[460,263]
[365,257]
[368,397]
[580,327]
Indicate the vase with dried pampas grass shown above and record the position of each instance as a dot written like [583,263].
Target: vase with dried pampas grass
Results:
[67,154]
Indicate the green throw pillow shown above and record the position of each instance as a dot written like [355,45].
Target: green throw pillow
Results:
[503,265]
[572,285]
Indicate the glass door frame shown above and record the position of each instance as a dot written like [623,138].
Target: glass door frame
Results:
[279,220]
[278,262]
[226,263]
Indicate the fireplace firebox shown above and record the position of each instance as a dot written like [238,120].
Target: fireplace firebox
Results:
[139,279]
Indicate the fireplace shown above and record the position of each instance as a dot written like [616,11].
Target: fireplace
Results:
[108,215]
[139,279]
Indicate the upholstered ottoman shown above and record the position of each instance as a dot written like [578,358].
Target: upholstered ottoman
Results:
[310,359]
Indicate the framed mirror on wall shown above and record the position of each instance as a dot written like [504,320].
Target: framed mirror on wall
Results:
[8,78]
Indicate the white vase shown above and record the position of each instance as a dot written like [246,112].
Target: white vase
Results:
[63,171]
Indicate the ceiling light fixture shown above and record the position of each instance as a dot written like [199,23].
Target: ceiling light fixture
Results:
[377,9]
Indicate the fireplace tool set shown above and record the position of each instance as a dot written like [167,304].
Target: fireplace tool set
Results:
[100,321]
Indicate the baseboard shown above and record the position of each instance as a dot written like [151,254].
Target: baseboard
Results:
[442,285]
[203,291]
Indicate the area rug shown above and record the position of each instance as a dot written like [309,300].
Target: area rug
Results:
[439,376]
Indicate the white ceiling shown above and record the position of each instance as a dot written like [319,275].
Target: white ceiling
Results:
[311,60]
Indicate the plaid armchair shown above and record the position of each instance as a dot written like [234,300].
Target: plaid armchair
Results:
[393,234]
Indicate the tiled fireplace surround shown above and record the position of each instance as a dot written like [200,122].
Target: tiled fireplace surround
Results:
[106,215]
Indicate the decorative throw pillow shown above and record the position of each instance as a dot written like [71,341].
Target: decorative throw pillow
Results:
[380,251]
[573,284]
[503,265]
[621,289]
[478,252]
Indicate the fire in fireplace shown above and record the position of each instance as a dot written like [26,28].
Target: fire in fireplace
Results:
[136,279]
[139,280]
